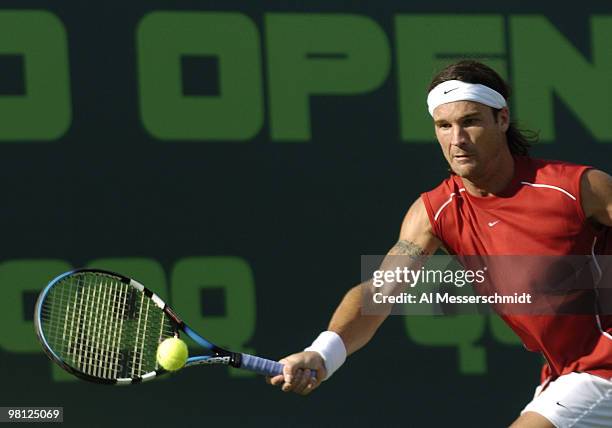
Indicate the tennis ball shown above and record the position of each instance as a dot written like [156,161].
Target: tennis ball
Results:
[172,354]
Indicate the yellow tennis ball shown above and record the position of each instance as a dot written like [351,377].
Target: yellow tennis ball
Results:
[172,354]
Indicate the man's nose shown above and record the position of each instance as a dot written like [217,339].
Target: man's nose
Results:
[458,136]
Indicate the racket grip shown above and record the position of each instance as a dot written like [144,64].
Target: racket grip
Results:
[263,366]
[260,365]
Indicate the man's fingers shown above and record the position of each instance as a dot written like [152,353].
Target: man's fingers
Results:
[303,382]
[320,376]
[288,371]
[302,373]
[276,380]
[292,382]
[310,387]
[306,380]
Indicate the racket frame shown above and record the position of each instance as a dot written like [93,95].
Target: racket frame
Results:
[219,355]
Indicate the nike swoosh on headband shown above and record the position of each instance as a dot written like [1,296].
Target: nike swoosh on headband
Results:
[456,90]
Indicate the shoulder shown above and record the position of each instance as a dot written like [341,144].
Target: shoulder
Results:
[431,205]
[416,216]
[442,194]
[596,196]
[552,174]
[416,228]
[549,168]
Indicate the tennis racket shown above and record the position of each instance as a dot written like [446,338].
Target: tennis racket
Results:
[105,328]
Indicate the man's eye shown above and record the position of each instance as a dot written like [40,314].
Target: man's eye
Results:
[468,122]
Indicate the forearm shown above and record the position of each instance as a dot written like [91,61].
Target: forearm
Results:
[349,321]
[350,324]
[349,328]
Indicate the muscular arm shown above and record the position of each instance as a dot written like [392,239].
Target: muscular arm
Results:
[596,195]
[416,239]
[355,329]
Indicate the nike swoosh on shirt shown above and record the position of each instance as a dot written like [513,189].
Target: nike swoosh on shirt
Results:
[559,404]
[493,223]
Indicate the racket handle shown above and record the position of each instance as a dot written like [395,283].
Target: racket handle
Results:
[260,365]
[263,366]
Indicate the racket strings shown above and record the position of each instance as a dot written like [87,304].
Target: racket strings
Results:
[103,326]
[87,337]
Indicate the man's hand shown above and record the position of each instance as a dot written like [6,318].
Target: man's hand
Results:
[298,373]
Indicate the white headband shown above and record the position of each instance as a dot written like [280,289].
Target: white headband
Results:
[456,90]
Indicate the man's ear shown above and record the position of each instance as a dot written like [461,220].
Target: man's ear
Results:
[502,116]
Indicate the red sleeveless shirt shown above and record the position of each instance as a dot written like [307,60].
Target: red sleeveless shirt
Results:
[539,213]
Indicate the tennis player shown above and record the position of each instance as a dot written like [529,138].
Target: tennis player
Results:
[497,201]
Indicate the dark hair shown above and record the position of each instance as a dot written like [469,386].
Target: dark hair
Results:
[470,71]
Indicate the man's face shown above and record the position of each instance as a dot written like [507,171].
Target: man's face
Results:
[471,137]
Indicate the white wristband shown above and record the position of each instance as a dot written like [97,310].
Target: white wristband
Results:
[331,348]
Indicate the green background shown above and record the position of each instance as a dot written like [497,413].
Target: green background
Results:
[238,158]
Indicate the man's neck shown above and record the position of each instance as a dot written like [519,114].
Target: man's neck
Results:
[497,179]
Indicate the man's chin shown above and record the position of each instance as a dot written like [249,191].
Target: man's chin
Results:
[463,171]
[464,168]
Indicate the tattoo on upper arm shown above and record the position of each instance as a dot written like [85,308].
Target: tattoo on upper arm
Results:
[407,248]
